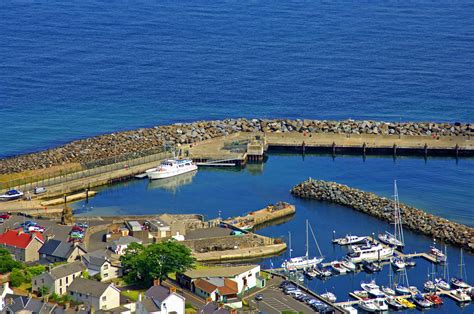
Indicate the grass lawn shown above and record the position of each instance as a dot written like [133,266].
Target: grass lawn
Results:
[132,294]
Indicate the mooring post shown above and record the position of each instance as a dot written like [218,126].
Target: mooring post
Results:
[364,147]
[333,149]
[87,195]
[457,150]
[426,150]
[394,150]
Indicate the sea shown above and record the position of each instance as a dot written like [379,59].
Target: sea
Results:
[74,69]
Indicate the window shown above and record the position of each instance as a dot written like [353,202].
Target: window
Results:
[106,275]
[35,283]
[60,282]
[73,276]
[106,266]
[104,298]
[67,279]
[42,280]
[60,290]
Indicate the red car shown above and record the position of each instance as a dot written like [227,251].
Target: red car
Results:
[77,228]
[4,216]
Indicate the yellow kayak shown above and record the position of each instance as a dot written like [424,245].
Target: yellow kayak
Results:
[406,303]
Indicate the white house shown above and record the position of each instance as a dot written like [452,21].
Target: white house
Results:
[57,279]
[160,300]
[121,244]
[4,290]
[103,263]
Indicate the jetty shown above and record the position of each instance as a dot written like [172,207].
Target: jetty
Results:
[264,215]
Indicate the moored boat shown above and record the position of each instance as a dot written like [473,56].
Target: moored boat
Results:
[461,295]
[407,304]
[374,305]
[373,289]
[170,168]
[361,294]
[11,195]
[350,239]
[329,296]
[437,254]
[459,283]
[369,253]
[338,268]
[401,289]
[429,286]
[371,267]
[420,301]
[348,264]
[398,263]
[388,290]
[392,303]
[442,284]
[434,298]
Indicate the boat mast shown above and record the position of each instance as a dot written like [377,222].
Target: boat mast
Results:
[398,216]
[289,235]
[307,245]
[446,268]
[315,241]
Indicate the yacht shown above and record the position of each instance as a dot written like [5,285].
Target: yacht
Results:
[438,254]
[442,284]
[462,295]
[401,289]
[11,195]
[392,302]
[429,286]
[348,264]
[304,261]
[373,289]
[329,296]
[398,263]
[396,239]
[350,239]
[372,252]
[170,168]
[374,305]
[420,301]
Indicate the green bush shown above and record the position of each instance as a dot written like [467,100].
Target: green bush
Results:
[7,263]
[17,277]
[36,270]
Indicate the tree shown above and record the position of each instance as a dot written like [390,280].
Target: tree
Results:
[17,277]
[7,263]
[145,264]
[43,290]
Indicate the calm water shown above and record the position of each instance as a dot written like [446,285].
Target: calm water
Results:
[441,186]
[71,69]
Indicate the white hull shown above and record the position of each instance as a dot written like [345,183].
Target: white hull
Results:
[6,197]
[168,172]
[371,254]
[301,262]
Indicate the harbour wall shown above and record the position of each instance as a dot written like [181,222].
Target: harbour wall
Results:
[381,207]
[110,148]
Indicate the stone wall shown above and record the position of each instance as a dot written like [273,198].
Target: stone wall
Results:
[227,243]
[381,207]
[141,142]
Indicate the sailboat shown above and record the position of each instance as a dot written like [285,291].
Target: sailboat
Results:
[429,285]
[403,287]
[458,282]
[396,239]
[388,289]
[304,261]
[443,282]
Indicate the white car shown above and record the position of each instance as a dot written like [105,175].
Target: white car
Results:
[36,228]
[295,293]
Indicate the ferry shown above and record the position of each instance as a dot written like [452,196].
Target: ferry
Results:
[170,168]
[11,195]
[371,252]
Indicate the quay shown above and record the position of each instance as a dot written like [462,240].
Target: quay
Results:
[261,216]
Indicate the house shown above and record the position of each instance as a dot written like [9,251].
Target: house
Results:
[121,244]
[57,279]
[159,228]
[213,308]
[245,277]
[98,295]
[4,290]
[60,251]
[27,305]
[222,290]
[159,299]
[103,263]
[24,246]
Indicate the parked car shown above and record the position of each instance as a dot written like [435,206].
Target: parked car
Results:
[82,225]
[76,235]
[28,223]
[39,190]
[259,297]
[2,220]
[35,228]
[77,228]
[4,216]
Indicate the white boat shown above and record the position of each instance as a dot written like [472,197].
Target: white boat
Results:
[350,239]
[462,295]
[398,263]
[304,261]
[420,301]
[371,253]
[401,289]
[442,284]
[374,305]
[329,296]
[388,291]
[346,263]
[372,288]
[437,254]
[11,195]
[361,294]
[429,286]
[338,268]
[458,282]
[396,239]
[413,290]
[170,168]
[392,302]
[348,308]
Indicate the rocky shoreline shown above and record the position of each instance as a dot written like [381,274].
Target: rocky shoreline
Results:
[381,207]
[145,141]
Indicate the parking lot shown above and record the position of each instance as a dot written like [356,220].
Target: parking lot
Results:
[276,301]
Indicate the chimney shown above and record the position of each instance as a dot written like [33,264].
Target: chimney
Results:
[172,290]
[156,282]
[233,311]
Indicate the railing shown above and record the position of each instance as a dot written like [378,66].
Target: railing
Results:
[29,183]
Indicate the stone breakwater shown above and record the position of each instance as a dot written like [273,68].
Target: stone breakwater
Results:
[381,207]
[141,142]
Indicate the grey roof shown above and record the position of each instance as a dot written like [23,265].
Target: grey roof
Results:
[88,287]
[57,248]
[127,240]
[64,270]
[23,303]
[212,308]
[150,306]
[159,293]
[97,258]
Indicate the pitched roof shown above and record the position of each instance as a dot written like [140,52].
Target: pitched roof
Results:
[58,248]
[212,308]
[23,303]
[19,239]
[224,290]
[219,271]
[150,306]
[127,240]
[97,258]
[158,292]
[64,270]
[89,287]
[205,285]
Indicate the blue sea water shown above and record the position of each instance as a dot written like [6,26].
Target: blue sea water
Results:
[70,69]
[231,192]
